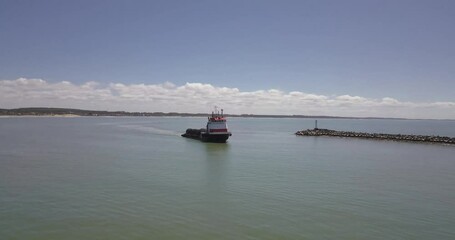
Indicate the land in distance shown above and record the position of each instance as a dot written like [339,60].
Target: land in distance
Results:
[45,111]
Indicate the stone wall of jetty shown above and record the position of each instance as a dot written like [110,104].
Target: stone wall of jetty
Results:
[381,136]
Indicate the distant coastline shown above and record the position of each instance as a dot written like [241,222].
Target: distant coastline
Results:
[69,112]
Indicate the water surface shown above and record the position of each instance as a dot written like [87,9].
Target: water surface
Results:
[136,178]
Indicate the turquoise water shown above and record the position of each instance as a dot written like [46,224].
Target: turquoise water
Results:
[136,178]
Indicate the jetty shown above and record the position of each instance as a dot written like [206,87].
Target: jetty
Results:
[380,136]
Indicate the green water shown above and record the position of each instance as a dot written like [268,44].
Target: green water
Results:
[136,178]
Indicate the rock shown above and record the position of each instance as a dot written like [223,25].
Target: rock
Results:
[394,137]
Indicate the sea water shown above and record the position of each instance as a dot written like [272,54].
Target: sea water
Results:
[136,178]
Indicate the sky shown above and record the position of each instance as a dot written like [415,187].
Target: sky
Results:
[340,58]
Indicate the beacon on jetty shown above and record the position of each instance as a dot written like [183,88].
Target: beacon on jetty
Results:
[216,129]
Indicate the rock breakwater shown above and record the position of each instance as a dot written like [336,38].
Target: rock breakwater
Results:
[380,136]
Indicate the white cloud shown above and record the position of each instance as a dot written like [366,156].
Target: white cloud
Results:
[351,99]
[200,97]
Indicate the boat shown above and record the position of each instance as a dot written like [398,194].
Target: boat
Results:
[216,129]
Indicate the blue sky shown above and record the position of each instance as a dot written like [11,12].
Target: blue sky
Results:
[374,49]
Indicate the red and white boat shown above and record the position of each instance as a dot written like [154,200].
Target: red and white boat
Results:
[216,129]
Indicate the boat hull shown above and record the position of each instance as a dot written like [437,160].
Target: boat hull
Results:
[202,135]
[216,138]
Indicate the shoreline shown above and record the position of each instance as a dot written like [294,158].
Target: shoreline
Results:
[205,115]
[41,116]
[49,111]
[316,132]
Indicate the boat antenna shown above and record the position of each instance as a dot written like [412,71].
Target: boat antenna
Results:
[222,113]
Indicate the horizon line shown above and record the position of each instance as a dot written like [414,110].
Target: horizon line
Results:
[47,111]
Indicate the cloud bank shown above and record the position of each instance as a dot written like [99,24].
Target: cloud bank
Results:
[199,97]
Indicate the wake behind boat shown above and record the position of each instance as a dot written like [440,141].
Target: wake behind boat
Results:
[216,129]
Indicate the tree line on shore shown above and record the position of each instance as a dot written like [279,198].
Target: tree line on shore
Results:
[43,111]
